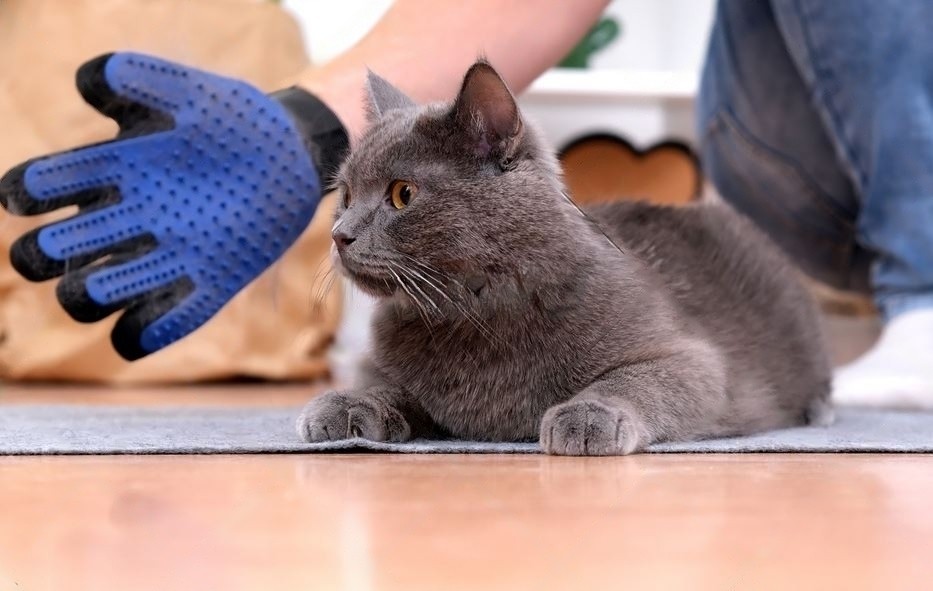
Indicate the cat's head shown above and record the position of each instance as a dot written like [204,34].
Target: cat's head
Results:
[466,189]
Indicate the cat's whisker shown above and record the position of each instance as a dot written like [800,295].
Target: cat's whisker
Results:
[414,274]
[322,267]
[418,306]
[414,285]
[477,322]
[319,298]
[434,284]
[459,306]
[435,278]
[320,277]
[409,274]
[318,294]
[481,326]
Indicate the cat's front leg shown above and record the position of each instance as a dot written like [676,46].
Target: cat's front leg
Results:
[675,397]
[377,413]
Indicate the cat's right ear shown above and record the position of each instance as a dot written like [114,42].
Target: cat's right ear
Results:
[487,111]
[383,97]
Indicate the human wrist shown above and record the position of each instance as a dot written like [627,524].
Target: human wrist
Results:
[324,134]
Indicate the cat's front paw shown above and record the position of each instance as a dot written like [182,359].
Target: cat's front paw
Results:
[344,415]
[590,428]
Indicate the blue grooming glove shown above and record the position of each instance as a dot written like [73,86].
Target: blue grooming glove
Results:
[207,184]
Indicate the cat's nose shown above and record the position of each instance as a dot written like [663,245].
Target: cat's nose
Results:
[342,239]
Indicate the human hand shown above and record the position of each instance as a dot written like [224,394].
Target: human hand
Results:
[207,184]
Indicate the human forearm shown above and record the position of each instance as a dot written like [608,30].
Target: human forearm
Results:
[424,47]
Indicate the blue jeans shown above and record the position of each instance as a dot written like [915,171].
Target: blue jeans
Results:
[816,121]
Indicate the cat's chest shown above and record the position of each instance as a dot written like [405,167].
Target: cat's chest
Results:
[479,384]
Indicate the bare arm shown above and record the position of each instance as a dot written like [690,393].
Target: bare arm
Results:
[425,46]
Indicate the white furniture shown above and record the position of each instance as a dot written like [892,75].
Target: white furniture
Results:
[642,106]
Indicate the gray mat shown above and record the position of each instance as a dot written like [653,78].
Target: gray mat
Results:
[68,429]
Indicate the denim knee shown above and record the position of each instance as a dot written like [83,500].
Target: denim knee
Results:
[764,147]
[770,189]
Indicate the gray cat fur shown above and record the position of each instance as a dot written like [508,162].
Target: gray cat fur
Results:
[505,315]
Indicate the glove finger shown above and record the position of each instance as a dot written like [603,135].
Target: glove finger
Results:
[126,280]
[50,251]
[143,93]
[93,292]
[44,185]
[137,91]
[121,100]
[153,321]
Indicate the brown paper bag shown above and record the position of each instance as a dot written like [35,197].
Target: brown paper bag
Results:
[274,328]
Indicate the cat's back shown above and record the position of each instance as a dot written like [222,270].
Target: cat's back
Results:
[704,249]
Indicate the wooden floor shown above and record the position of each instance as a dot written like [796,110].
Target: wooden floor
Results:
[362,522]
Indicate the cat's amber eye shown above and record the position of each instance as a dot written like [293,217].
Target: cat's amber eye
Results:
[401,193]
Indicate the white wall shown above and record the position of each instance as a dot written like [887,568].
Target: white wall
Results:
[331,27]
[667,35]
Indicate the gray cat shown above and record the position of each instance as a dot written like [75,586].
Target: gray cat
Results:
[507,315]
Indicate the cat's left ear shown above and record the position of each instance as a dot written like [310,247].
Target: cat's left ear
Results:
[382,97]
[487,111]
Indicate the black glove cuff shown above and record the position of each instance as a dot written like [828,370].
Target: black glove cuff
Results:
[324,135]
